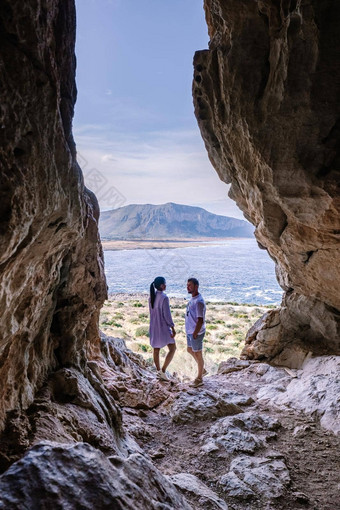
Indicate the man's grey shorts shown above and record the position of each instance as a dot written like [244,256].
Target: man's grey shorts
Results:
[195,344]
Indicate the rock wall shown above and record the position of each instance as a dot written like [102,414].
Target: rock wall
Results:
[62,441]
[52,283]
[266,98]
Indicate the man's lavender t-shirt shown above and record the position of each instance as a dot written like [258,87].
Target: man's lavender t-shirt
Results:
[195,309]
[160,321]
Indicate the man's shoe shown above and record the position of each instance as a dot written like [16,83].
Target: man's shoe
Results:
[162,375]
[196,383]
[205,372]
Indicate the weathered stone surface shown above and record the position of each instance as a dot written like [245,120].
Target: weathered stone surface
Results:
[235,487]
[245,432]
[52,282]
[207,498]
[126,377]
[233,365]
[53,475]
[266,477]
[266,100]
[263,340]
[315,391]
[293,356]
[69,408]
[202,405]
[313,388]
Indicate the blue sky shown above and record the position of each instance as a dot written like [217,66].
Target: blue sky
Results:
[135,129]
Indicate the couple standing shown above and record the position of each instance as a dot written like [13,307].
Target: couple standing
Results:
[162,328]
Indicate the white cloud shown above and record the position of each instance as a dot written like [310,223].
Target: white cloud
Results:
[153,167]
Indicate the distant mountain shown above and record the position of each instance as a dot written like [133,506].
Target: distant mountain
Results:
[168,221]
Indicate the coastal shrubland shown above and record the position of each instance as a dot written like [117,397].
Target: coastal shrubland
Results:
[127,317]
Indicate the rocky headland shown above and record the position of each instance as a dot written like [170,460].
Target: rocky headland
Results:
[168,222]
[84,423]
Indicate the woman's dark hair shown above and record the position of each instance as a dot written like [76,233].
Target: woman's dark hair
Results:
[155,284]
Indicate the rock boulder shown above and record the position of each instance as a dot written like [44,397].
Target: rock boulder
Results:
[53,475]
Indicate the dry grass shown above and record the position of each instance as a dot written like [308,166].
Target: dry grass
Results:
[127,317]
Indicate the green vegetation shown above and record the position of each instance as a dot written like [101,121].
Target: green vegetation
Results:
[142,331]
[142,317]
[208,349]
[145,347]
[227,326]
[111,322]
[134,320]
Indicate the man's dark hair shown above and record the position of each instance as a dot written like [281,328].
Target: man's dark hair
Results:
[194,281]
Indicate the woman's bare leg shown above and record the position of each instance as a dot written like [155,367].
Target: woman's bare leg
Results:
[169,356]
[156,358]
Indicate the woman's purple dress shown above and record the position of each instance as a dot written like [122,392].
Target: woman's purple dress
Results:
[160,321]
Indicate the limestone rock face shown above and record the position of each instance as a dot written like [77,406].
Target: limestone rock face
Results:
[266,477]
[52,282]
[126,377]
[266,100]
[71,407]
[53,475]
[246,432]
[190,483]
[315,390]
[202,405]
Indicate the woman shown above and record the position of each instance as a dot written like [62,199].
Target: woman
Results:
[162,329]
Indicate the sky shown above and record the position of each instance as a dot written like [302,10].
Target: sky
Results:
[136,133]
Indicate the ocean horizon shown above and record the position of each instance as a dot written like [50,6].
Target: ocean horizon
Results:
[234,270]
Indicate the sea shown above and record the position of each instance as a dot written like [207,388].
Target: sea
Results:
[234,270]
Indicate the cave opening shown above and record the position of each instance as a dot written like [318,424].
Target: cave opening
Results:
[142,154]
[83,420]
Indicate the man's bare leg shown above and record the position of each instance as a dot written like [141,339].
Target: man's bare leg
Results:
[190,351]
[200,363]
[169,356]
[198,357]
[156,358]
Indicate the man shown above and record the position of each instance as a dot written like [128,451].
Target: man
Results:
[195,328]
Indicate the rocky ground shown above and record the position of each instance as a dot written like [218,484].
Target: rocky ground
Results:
[229,445]
[253,436]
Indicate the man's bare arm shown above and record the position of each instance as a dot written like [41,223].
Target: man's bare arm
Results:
[198,327]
